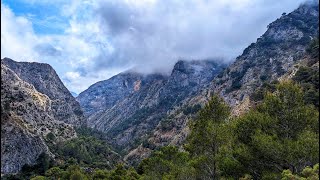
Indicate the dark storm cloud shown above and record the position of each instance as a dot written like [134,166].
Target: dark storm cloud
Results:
[46,50]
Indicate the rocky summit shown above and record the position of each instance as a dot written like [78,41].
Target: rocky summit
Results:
[45,80]
[271,56]
[131,105]
[31,113]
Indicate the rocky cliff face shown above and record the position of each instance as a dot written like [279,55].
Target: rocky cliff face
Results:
[105,94]
[46,81]
[132,105]
[29,118]
[274,54]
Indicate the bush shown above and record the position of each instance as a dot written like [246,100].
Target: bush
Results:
[191,109]
[38,178]
[51,137]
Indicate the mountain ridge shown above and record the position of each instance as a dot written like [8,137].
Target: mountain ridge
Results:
[29,120]
[260,63]
[46,81]
[150,97]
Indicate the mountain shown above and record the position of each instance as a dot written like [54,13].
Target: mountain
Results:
[45,80]
[105,94]
[139,113]
[30,113]
[273,55]
[130,105]
[158,113]
[276,55]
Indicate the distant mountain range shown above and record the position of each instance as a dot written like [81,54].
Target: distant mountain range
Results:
[130,105]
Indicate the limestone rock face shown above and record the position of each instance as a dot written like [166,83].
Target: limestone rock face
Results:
[18,145]
[273,54]
[105,94]
[46,81]
[29,119]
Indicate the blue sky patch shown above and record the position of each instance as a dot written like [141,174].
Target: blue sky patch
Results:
[46,18]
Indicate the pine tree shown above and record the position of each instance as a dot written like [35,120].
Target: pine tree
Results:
[206,137]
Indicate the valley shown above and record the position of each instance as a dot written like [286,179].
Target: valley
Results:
[254,118]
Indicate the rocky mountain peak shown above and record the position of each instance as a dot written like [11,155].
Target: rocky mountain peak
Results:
[195,72]
[130,105]
[273,54]
[29,117]
[105,94]
[45,80]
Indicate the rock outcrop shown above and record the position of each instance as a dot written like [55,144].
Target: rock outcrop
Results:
[46,81]
[29,118]
[105,94]
[274,54]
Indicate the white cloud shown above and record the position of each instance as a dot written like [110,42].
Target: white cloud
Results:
[157,33]
[105,37]
[80,83]
[17,36]
[67,52]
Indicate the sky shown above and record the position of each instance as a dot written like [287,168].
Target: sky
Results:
[87,41]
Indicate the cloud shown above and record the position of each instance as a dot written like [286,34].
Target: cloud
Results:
[17,36]
[65,52]
[47,50]
[154,35]
[101,38]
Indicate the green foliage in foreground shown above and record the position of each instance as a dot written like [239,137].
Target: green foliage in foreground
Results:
[279,139]
[89,151]
[209,133]
[167,163]
[307,173]
[279,136]
[282,133]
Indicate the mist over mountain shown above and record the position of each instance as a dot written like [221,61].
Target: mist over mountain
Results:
[141,115]
[98,39]
[173,92]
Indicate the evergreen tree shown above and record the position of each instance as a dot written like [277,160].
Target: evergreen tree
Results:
[167,163]
[207,136]
[282,133]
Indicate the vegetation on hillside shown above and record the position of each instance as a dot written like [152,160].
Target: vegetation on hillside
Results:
[308,76]
[276,140]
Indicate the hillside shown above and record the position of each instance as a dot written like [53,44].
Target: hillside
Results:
[27,122]
[134,104]
[255,118]
[276,55]
[270,57]
[45,80]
